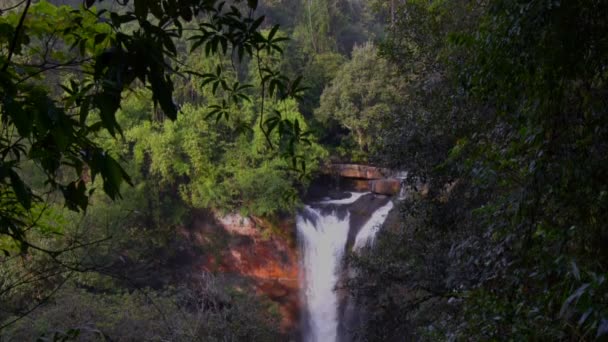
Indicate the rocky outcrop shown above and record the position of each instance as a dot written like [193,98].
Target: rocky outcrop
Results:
[387,186]
[359,185]
[263,253]
[356,177]
[356,171]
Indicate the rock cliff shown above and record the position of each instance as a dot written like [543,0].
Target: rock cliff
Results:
[264,253]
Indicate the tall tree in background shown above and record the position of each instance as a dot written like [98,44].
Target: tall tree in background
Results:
[363,93]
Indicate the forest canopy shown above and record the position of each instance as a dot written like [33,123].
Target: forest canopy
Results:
[119,119]
[97,56]
[505,121]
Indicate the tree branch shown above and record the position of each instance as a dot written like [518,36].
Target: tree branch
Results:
[11,49]
[12,7]
[43,301]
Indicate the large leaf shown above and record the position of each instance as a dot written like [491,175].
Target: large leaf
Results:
[22,191]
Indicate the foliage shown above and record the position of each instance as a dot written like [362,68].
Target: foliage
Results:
[363,92]
[228,173]
[508,129]
[100,284]
[103,54]
[323,34]
[90,100]
[209,313]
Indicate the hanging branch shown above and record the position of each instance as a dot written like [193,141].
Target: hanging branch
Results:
[16,36]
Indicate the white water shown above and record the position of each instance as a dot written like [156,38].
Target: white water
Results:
[323,241]
[368,232]
[402,176]
[354,196]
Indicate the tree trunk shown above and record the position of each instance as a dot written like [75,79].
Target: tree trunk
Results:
[361,140]
[312,31]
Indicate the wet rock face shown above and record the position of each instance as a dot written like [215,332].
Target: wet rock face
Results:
[356,171]
[360,185]
[388,186]
[355,177]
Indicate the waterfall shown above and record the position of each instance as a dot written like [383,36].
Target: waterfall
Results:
[367,234]
[402,177]
[323,244]
[323,235]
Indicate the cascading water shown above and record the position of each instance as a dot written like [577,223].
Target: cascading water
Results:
[367,234]
[323,236]
[323,244]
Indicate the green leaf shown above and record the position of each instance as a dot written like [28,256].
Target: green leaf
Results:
[22,192]
[75,196]
[21,118]
[108,103]
[141,8]
[162,89]
[257,23]
[207,81]
[156,9]
[169,45]
[186,13]
[84,110]
[113,176]
[273,31]
[244,97]
[197,44]
[100,37]
[224,43]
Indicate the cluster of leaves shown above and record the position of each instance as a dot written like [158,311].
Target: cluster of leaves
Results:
[37,127]
[213,167]
[323,34]
[508,128]
[103,54]
[364,92]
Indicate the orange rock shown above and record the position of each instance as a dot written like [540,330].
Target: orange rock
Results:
[356,171]
[388,186]
[271,263]
[358,184]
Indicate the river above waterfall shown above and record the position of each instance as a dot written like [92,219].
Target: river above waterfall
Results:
[326,230]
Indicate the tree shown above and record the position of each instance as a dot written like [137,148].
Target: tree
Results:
[364,91]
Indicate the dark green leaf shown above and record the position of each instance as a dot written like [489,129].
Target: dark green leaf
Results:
[99,38]
[22,191]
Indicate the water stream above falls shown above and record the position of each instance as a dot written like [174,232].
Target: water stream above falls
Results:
[326,229]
